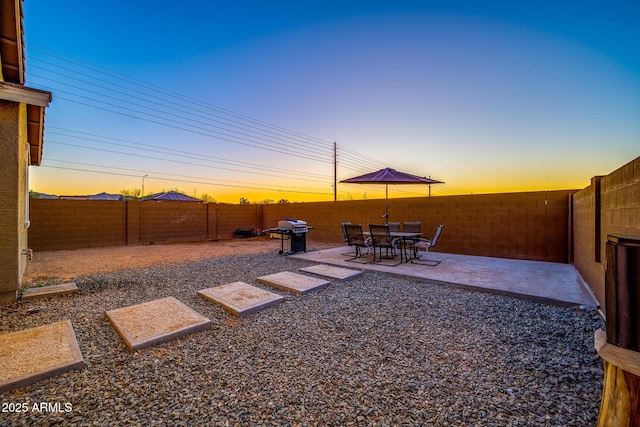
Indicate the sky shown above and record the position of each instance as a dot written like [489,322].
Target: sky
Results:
[247,99]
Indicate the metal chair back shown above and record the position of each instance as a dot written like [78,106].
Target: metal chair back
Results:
[344,230]
[394,226]
[356,239]
[436,236]
[412,226]
[354,235]
[380,236]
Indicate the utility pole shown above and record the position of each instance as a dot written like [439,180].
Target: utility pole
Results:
[335,171]
[142,191]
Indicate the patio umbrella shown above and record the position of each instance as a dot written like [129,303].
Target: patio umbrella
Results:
[390,176]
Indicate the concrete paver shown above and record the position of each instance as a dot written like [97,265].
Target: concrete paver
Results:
[293,282]
[332,271]
[35,354]
[30,294]
[240,298]
[155,322]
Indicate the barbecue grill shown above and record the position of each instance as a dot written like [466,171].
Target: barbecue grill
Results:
[293,231]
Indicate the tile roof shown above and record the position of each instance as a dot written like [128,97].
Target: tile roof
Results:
[171,196]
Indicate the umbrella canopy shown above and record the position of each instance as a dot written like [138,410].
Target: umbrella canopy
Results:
[390,176]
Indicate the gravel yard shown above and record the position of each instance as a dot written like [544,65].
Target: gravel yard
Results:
[373,350]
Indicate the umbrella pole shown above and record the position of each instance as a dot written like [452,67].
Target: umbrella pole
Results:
[386,204]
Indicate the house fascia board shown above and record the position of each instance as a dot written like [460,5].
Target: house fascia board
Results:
[36,101]
[23,94]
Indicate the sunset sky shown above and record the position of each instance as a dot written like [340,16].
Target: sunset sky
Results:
[246,98]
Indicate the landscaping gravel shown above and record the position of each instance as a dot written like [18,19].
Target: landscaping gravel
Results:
[374,350]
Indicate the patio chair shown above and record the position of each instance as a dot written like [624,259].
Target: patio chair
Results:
[427,244]
[344,234]
[394,226]
[356,239]
[344,230]
[381,238]
[411,227]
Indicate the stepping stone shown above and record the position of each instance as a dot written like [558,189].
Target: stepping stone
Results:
[240,298]
[331,271]
[155,322]
[35,354]
[47,291]
[293,282]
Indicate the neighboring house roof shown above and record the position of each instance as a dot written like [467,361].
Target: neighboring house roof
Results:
[107,196]
[173,196]
[45,196]
[13,76]
[100,196]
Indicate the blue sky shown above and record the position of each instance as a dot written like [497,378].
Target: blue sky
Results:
[486,96]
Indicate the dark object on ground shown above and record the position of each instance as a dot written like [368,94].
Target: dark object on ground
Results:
[243,233]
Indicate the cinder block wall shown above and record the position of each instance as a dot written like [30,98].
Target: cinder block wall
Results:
[163,222]
[231,217]
[516,225]
[532,225]
[133,222]
[584,233]
[619,214]
[620,195]
[73,224]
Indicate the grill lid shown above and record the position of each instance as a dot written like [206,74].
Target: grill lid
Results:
[290,224]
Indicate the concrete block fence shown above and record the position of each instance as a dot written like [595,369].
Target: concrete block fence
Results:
[609,206]
[515,225]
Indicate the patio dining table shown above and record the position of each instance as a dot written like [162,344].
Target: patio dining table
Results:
[404,237]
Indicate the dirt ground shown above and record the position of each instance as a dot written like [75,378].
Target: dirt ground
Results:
[63,266]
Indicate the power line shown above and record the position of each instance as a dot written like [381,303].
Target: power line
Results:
[192,129]
[189,181]
[173,94]
[179,153]
[357,158]
[159,158]
[171,102]
[172,116]
[202,120]
[158,175]
[360,158]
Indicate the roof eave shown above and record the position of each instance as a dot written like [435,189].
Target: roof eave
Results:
[37,101]
[12,42]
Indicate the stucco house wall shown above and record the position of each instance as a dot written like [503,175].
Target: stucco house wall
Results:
[22,112]
[13,232]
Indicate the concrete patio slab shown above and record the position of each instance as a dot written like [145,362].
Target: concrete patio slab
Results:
[35,354]
[293,282]
[240,298]
[555,282]
[30,294]
[155,322]
[332,271]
